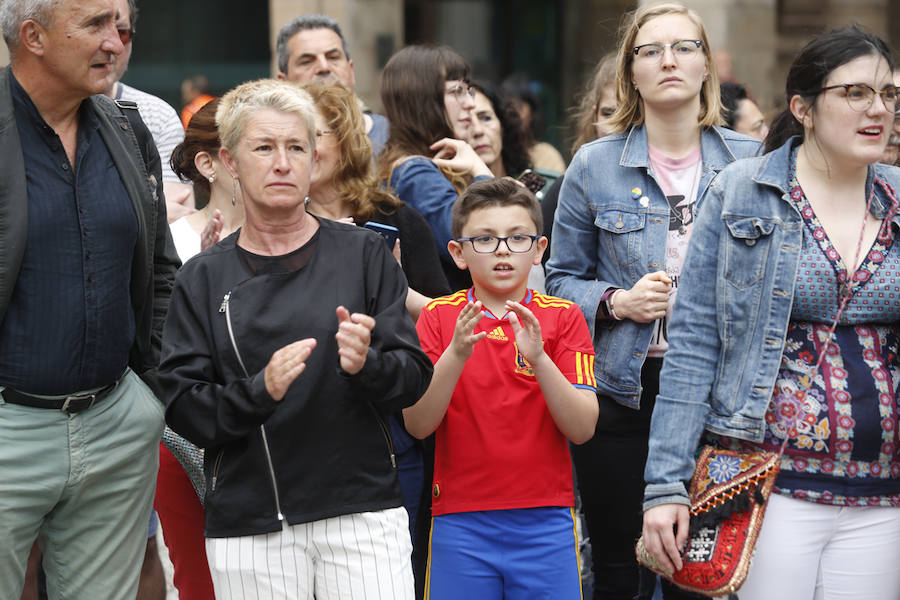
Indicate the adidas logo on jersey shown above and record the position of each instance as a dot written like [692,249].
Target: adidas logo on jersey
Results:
[497,334]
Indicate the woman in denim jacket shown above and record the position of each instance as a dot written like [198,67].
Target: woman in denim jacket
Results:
[426,163]
[783,245]
[624,218]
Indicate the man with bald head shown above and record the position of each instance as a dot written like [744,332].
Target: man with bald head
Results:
[86,268]
[313,48]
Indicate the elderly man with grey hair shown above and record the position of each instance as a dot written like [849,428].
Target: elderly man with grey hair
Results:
[313,48]
[86,269]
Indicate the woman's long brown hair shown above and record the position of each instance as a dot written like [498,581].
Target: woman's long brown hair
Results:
[412,94]
[354,177]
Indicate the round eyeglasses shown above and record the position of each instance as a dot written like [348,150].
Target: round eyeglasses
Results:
[460,91]
[680,49]
[488,244]
[860,96]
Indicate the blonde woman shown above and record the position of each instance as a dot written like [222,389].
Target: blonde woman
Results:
[285,347]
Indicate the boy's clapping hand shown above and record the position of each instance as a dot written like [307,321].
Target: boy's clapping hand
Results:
[528,331]
[463,337]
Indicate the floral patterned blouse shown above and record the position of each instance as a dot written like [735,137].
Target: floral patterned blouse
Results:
[843,446]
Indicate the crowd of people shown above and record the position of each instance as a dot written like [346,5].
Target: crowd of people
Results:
[337,354]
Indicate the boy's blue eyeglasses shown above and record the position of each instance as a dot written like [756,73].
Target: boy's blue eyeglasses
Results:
[488,244]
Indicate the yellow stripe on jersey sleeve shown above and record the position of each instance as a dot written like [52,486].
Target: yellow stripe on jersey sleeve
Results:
[579,376]
[451,300]
[589,369]
[545,301]
[584,369]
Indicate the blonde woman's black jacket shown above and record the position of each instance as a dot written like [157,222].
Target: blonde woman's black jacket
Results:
[155,260]
[325,449]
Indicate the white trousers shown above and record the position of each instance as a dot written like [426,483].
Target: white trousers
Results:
[356,556]
[809,551]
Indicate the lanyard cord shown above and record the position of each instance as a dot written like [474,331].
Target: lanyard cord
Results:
[846,291]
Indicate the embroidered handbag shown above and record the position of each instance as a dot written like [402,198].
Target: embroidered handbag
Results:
[728,493]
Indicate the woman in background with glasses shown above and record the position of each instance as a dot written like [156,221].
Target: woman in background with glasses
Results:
[426,163]
[625,215]
[787,247]
[343,186]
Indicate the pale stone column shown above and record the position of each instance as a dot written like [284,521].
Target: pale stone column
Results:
[373,28]
[4,55]
[591,28]
[800,20]
[871,14]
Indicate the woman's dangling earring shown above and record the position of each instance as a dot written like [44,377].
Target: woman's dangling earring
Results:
[233,190]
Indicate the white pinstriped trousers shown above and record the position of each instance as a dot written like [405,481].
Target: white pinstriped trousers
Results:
[356,556]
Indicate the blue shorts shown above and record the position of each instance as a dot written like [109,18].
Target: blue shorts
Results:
[526,553]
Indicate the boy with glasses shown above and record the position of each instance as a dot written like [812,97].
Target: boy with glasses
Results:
[513,381]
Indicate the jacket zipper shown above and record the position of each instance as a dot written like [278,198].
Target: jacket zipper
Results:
[218,462]
[387,436]
[226,308]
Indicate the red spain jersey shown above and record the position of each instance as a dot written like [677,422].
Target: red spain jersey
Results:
[498,446]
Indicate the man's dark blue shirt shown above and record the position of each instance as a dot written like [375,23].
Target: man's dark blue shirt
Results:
[70,323]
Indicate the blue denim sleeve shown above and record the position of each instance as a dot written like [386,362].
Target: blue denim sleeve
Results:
[572,268]
[420,184]
[691,363]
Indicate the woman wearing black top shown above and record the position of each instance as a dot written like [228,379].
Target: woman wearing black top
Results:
[285,347]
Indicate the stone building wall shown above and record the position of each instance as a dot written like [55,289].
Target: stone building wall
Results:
[762,36]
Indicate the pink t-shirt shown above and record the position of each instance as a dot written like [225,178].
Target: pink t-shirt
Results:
[679,179]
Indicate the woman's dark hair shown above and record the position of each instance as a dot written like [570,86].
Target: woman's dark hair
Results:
[412,94]
[732,94]
[518,87]
[514,153]
[810,70]
[201,136]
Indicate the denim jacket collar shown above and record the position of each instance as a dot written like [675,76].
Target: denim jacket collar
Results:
[775,171]
[715,152]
